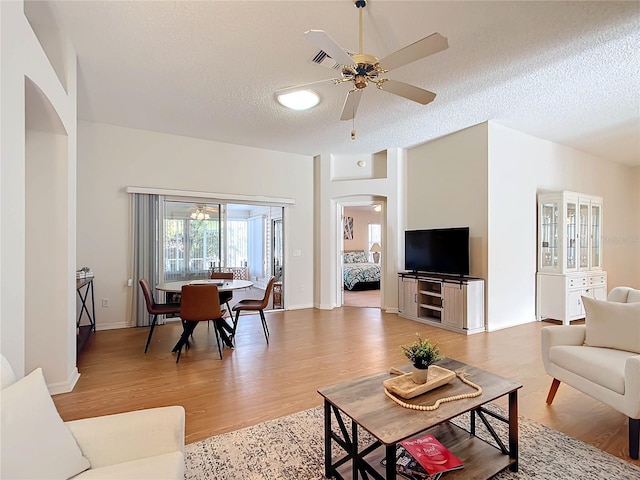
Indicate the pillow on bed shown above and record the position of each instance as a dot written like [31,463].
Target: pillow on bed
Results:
[355,257]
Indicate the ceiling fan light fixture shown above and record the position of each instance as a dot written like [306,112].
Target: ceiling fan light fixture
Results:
[200,214]
[299,100]
[360,81]
[362,69]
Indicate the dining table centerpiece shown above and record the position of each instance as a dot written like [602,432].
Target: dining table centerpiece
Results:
[422,354]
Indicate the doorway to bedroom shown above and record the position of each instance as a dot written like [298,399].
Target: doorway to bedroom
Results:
[361,255]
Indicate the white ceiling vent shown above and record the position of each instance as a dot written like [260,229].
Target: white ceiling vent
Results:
[323,58]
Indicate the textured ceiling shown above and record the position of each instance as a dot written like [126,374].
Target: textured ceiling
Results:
[564,71]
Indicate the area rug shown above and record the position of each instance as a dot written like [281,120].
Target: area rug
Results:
[292,448]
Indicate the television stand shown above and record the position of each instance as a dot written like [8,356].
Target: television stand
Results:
[452,302]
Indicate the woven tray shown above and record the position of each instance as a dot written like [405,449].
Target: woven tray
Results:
[404,387]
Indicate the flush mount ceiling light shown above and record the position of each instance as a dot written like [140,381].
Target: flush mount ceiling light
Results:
[299,100]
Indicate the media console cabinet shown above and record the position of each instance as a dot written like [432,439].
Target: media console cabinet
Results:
[454,303]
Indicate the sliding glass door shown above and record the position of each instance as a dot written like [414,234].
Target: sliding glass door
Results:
[192,240]
[199,237]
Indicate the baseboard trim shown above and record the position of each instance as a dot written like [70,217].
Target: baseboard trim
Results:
[112,326]
[296,307]
[508,325]
[64,387]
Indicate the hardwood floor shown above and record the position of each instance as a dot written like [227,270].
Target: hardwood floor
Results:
[362,298]
[309,349]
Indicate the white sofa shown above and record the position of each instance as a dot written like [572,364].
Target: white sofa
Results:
[36,443]
[602,357]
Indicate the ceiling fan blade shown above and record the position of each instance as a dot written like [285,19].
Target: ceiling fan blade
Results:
[434,43]
[409,92]
[322,40]
[351,105]
[305,86]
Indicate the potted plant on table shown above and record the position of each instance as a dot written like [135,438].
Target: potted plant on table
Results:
[422,354]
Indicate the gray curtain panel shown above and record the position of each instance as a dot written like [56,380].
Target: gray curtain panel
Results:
[146,251]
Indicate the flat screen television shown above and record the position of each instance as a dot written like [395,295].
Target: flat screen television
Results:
[438,250]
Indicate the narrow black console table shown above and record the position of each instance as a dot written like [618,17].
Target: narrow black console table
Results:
[84,287]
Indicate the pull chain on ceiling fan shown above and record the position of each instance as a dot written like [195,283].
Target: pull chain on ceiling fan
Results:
[362,69]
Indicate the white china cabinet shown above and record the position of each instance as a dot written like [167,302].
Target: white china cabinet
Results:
[569,254]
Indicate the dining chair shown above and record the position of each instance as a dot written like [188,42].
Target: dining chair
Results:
[155,309]
[200,303]
[252,305]
[225,297]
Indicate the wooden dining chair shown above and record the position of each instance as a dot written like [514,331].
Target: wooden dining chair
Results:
[199,303]
[253,305]
[155,309]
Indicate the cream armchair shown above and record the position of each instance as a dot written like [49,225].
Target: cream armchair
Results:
[36,443]
[602,357]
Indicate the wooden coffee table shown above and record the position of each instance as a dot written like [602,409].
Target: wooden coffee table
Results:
[364,402]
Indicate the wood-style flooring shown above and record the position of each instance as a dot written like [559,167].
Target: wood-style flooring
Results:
[362,298]
[308,349]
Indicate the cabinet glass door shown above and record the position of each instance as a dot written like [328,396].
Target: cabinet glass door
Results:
[572,232]
[596,216]
[549,235]
[584,235]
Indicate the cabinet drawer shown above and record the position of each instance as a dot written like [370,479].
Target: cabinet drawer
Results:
[598,280]
[577,282]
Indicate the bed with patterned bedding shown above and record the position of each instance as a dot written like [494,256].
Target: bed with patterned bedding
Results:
[359,273]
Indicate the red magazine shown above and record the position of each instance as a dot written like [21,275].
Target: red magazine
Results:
[432,455]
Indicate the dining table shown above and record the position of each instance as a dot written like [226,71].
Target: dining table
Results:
[223,285]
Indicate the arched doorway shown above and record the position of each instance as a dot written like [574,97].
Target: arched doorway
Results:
[360,246]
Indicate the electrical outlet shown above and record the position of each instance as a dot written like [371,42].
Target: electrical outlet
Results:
[105,302]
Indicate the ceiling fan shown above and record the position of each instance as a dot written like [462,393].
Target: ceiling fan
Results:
[201,212]
[362,69]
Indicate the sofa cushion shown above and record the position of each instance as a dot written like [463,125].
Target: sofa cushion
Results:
[633,296]
[612,324]
[166,466]
[599,365]
[35,441]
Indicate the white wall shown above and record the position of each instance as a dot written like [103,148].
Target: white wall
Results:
[362,218]
[112,158]
[521,166]
[511,289]
[23,57]
[50,330]
[447,186]
[562,168]
[333,187]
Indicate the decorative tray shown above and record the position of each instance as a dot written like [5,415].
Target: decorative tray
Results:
[405,387]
